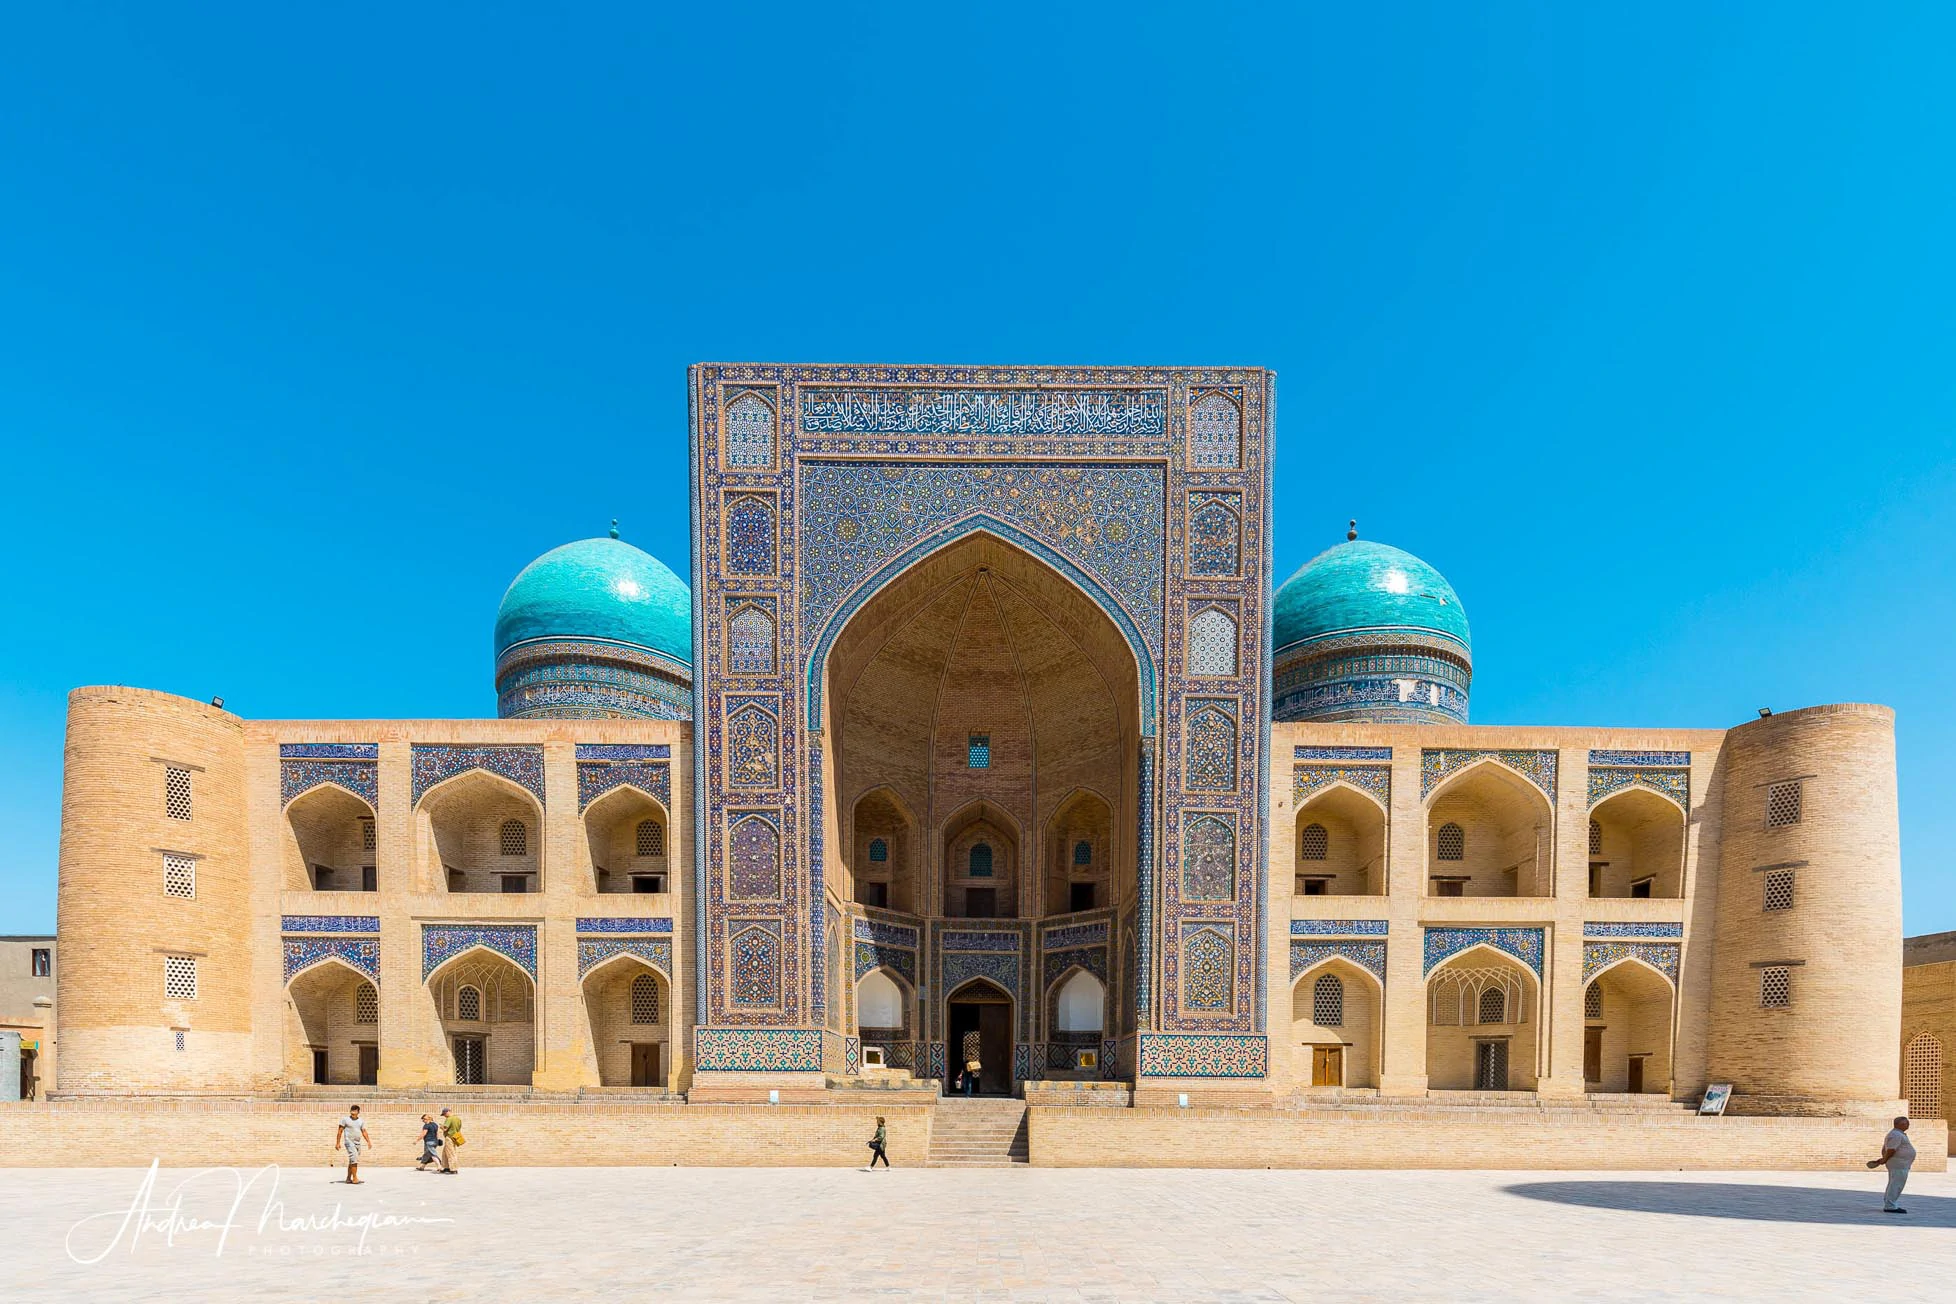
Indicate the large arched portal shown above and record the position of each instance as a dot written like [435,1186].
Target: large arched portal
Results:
[987,698]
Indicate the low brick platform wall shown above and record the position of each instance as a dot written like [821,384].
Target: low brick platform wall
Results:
[190,1132]
[1153,1137]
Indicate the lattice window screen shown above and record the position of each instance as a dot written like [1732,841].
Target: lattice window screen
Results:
[1779,890]
[468,1005]
[366,1004]
[645,999]
[651,838]
[1592,1001]
[176,793]
[1783,804]
[514,838]
[1595,838]
[1313,843]
[179,875]
[1775,987]
[180,977]
[1453,842]
[1328,1002]
[1922,1077]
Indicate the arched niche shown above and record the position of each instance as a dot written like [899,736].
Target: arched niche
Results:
[1483,1023]
[1340,845]
[332,1025]
[464,836]
[1636,846]
[883,845]
[630,839]
[329,842]
[981,864]
[1337,1008]
[1079,847]
[489,1036]
[1489,832]
[1629,1022]
[628,1005]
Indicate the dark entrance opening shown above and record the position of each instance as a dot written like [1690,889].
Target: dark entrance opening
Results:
[980,1028]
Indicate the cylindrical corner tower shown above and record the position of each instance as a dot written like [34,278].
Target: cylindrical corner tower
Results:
[1806,979]
[595,629]
[154,897]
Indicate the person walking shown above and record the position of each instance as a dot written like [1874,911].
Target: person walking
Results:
[971,1070]
[451,1140]
[1898,1153]
[352,1134]
[429,1135]
[876,1144]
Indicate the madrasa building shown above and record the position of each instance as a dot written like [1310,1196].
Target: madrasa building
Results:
[981,735]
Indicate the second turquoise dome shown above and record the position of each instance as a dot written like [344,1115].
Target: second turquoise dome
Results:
[1362,585]
[599,589]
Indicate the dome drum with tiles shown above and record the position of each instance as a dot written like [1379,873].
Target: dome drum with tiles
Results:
[595,629]
[1367,632]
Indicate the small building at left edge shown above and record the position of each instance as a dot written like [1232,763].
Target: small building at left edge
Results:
[26,1016]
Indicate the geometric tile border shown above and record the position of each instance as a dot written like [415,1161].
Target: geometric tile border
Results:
[1435,764]
[644,924]
[594,951]
[1200,1055]
[1306,780]
[1370,956]
[329,923]
[596,778]
[361,778]
[624,751]
[1637,760]
[441,943]
[303,953]
[1595,928]
[1341,753]
[875,930]
[875,955]
[1524,944]
[436,763]
[1661,956]
[758,1050]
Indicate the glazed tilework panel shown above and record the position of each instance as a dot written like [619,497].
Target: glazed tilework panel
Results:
[624,751]
[898,960]
[594,951]
[754,965]
[329,923]
[1074,935]
[435,764]
[1675,784]
[441,943]
[596,778]
[361,778]
[302,953]
[1524,944]
[1641,760]
[1090,470]
[329,751]
[1207,968]
[590,679]
[886,934]
[1661,956]
[1437,764]
[1211,746]
[1616,928]
[754,858]
[960,968]
[1093,959]
[639,924]
[1215,534]
[753,744]
[1197,1056]
[758,1050]
[1341,753]
[1370,956]
[1307,781]
[1338,927]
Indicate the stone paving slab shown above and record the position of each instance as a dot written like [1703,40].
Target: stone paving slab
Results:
[1070,1235]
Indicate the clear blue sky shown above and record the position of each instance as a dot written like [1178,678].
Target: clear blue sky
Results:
[1638,325]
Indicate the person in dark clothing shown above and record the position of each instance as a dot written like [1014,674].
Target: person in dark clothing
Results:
[430,1143]
[876,1145]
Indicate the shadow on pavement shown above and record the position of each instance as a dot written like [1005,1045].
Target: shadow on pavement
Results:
[1800,1204]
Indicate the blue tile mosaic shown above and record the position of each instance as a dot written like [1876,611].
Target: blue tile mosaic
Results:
[753,744]
[875,930]
[1661,956]
[591,679]
[596,778]
[1338,927]
[1437,764]
[1053,412]
[758,1050]
[441,943]
[1215,533]
[1612,928]
[1639,760]
[852,1055]
[1195,1055]
[329,923]
[437,763]
[361,778]
[1675,784]
[980,940]
[1206,969]
[1370,956]
[1211,746]
[638,924]
[898,960]
[1209,860]
[750,535]
[1341,753]
[302,953]
[1054,964]
[594,951]
[1524,944]
[1074,935]
[624,751]
[959,968]
[1307,781]
[754,868]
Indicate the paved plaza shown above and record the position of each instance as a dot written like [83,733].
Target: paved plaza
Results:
[792,1234]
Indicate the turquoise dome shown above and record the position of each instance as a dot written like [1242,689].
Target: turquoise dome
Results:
[599,589]
[1361,585]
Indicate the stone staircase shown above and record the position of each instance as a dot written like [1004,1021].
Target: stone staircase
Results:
[980,1132]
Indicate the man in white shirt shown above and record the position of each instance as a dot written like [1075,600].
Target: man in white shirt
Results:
[1898,1154]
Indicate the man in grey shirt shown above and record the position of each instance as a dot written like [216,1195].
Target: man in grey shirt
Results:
[352,1134]
[1898,1153]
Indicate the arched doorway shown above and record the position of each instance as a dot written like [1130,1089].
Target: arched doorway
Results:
[332,1026]
[486,1006]
[629,1005]
[1483,1024]
[329,842]
[983,716]
[1489,832]
[978,1020]
[1636,846]
[1336,1007]
[1628,1012]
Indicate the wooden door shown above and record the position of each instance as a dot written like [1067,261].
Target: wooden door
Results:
[645,1064]
[369,1065]
[1636,1073]
[1592,1055]
[1327,1066]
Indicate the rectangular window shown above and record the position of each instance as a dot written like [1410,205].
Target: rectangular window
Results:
[978,752]
[180,977]
[648,883]
[176,792]
[876,894]
[180,1040]
[1449,887]
[516,882]
[1317,886]
[1779,890]
[43,962]
[1775,987]
[1640,889]
[179,875]
[322,878]
[980,902]
[369,880]
[366,833]
[1782,804]
[1081,897]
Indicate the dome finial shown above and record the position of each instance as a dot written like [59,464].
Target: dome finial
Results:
[1351,533]
[614,527]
